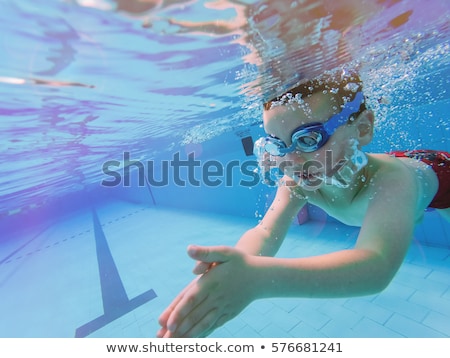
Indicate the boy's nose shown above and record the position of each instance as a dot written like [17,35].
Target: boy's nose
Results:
[295,157]
[290,160]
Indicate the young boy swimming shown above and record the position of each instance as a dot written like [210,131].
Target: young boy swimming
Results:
[315,134]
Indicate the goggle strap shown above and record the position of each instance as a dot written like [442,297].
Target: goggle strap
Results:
[342,117]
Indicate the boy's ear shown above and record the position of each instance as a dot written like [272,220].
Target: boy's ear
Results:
[364,127]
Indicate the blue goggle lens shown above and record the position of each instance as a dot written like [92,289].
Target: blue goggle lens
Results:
[303,140]
[311,137]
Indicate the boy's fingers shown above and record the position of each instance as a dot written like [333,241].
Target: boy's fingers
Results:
[200,327]
[189,307]
[168,334]
[201,267]
[168,311]
[161,333]
[162,320]
[211,253]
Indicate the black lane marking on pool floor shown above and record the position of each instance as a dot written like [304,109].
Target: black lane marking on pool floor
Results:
[114,297]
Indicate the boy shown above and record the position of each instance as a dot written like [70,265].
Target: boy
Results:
[315,135]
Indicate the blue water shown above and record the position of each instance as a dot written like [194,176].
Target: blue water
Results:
[83,82]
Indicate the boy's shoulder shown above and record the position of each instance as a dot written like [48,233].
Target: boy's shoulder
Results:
[404,174]
[387,163]
[383,167]
[349,205]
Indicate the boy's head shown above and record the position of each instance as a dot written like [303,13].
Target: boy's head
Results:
[343,85]
[324,115]
[313,111]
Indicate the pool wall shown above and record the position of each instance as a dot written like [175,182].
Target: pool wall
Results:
[232,194]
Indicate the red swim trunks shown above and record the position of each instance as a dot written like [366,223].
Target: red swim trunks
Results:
[440,163]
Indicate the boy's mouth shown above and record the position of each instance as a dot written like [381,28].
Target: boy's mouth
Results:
[308,176]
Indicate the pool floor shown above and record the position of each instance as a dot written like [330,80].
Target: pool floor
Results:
[110,272]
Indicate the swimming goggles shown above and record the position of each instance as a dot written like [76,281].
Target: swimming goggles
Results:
[312,136]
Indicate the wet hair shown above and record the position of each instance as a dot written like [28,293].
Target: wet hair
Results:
[342,85]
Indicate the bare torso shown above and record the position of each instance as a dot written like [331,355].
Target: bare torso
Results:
[349,205]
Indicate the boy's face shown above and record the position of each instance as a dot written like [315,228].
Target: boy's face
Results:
[306,168]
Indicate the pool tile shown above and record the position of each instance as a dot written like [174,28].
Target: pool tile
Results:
[281,318]
[366,328]
[254,318]
[410,328]
[304,330]
[339,313]
[370,310]
[424,284]
[274,331]
[408,309]
[246,332]
[446,295]
[312,317]
[432,301]
[438,322]
[336,329]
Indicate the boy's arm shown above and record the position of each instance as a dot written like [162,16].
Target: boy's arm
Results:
[266,238]
[262,240]
[367,268]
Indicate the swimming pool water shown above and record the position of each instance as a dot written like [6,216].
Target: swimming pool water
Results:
[83,83]
[112,278]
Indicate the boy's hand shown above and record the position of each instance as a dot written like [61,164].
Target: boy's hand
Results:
[212,299]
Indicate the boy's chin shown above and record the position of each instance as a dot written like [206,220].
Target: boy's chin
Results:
[309,184]
[342,180]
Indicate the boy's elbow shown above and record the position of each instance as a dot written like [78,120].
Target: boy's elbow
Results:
[380,285]
[384,267]
[374,286]
[382,280]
